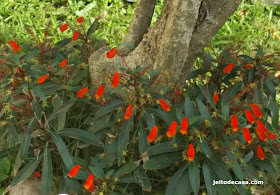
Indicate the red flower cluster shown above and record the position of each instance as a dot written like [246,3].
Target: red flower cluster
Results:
[42,79]
[215,97]
[172,129]
[128,112]
[75,36]
[14,45]
[111,53]
[248,66]
[82,92]
[153,134]
[99,92]
[63,63]
[164,105]
[191,153]
[184,126]
[228,68]
[115,80]
[80,19]
[63,27]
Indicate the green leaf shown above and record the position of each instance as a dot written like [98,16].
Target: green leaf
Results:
[111,106]
[63,150]
[163,115]
[6,80]
[162,161]
[59,122]
[248,157]
[81,135]
[268,166]
[220,169]
[225,111]
[274,112]
[36,107]
[206,150]
[92,28]
[30,55]
[97,171]
[3,176]
[63,43]
[194,176]
[111,152]
[62,109]
[232,92]
[270,86]
[38,92]
[50,88]
[260,52]
[24,147]
[176,178]
[207,95]
[142,139]
[208,178]
[47,173]
[202,109]
[150,119]
[5,165]
[124,139]
[195,73]
[160,148]
[143,179]
[26,171]
[125,169]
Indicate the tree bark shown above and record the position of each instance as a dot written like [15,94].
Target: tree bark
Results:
[183,29]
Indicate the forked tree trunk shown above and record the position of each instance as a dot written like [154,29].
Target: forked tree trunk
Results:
[183,29]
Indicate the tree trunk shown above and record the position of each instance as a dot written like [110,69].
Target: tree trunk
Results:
[183,29]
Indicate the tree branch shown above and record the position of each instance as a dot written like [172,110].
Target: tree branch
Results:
[140,24]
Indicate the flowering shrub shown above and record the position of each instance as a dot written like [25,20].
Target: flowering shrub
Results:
[136,131]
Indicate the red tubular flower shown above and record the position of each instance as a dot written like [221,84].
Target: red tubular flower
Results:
[184,126]
[247,135]
[91,188]
[128,112]
[261,134]
[14,45]
[215,97]
[63,63]
[256,111]
[248,66]
[228,68]
[37,174]
[234,123]
[74,171]
[80,19]
[111,53]
[260,153]
[153,134]
[115,80]
[99,92]
[42,79]
[81,93]
[172,129]
[250,117]
[191,153]
[89,182]
[270,135]
[75,36]
[63,27]
[164,105]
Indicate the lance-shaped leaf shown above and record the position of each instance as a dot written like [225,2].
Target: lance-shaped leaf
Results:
[274,111]
[81,135]
[39,93]
[194,174]
[63,150]
[127,168]
[108,108]
[208,178]
[111,152]
[143,179]
[188,108]
[59,121]
[25,144]
[62,109]
[161,148]
[162,161]
[162,114]
[202,109]
[175,182]
[47,173]
[124,139]
[92,28]
[142,139]
[26,171]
